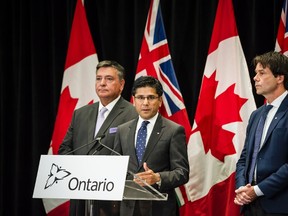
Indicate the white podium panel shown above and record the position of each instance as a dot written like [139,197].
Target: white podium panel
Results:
[81,177]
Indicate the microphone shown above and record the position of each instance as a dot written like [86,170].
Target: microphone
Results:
[94,141]
[115,152]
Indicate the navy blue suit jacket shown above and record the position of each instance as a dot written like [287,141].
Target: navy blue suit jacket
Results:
[272,160]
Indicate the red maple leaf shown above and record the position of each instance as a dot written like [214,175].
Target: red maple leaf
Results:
[66,107]
[212,113]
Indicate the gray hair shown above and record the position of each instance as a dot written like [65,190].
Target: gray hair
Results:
[108,63]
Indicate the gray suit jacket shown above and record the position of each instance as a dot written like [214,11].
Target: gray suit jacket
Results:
[82,128]
[166,153]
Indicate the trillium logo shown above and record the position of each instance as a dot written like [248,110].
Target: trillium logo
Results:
[56,173]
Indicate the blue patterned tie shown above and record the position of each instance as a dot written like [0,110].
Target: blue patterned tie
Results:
[141,141]
[258,136]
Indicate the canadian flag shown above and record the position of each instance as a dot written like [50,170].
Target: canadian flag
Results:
[282,36]
[218,133]
[78,89]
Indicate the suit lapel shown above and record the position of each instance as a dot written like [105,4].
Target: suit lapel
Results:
[117,110]
[92,121]
[253,129]
[131,144]
[154,137]
[278,116]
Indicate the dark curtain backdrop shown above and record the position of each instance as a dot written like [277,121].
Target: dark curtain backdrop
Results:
[33,43]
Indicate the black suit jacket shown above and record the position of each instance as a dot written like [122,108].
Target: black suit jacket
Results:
[166,153]
[272,160]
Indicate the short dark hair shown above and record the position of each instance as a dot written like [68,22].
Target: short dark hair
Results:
[276,62]
[147,81]
[109,63]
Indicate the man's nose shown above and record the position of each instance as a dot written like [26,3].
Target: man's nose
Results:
[103,81]
[145,101]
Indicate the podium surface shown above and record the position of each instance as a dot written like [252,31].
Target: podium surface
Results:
[134,191]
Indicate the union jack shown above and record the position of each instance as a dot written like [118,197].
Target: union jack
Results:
[155,60]
[282,36]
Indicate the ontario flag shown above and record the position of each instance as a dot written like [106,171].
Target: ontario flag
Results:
[155,60]
[77,90]
[224,106]
[282,36]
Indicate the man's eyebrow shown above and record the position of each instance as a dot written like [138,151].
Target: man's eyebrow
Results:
[259,70]
[104,76]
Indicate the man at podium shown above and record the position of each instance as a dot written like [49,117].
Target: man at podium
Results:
[157,149]
[98,120]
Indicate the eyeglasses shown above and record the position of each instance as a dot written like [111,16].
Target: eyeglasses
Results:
[149,98]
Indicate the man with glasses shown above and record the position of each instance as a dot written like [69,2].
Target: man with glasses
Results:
[157,149]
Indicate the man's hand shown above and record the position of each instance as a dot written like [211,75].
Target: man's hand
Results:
[245,195]
[147,176]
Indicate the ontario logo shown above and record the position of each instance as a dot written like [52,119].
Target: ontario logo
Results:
[74,184]
[56,174]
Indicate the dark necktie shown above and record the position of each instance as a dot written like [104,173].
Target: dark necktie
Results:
[257,142]
[141,141]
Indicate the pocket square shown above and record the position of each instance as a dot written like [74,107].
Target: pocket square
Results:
[113,130]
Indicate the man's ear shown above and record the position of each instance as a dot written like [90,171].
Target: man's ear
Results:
[280,78]
[122,82]
[133,98]
[161,101]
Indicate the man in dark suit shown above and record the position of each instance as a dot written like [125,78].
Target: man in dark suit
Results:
[262,189]
[86,125]
[163,163]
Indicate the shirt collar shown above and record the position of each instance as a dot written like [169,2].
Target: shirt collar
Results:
[277,102]
[110,105]
[152,120]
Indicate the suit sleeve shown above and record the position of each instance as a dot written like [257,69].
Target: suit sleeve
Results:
[179,166]
[241,165]
[67,143]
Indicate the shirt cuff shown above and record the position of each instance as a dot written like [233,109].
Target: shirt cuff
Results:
[159,182]
[258,191]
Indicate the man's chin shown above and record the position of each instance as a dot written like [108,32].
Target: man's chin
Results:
[258,91]
[103,95]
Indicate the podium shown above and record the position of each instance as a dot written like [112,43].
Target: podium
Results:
[89,177]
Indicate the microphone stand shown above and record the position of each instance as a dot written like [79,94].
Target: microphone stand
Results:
[94,141]
[89,204]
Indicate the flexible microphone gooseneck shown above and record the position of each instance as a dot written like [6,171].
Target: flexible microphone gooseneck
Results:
[117,153]
[94,142]
[101,145]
